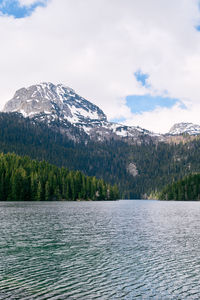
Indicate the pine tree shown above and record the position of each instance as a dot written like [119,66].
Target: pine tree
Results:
[39,192]
[47,191]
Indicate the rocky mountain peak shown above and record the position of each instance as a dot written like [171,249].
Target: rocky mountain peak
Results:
[50,102]
[185,128]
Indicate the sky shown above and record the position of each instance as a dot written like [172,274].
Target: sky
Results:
[138,60]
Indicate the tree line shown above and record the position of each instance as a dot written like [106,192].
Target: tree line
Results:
[23,179]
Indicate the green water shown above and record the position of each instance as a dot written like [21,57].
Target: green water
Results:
[100,250]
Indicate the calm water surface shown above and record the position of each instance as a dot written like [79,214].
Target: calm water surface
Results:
[100,250]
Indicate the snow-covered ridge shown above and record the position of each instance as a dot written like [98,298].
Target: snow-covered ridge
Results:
[185,128]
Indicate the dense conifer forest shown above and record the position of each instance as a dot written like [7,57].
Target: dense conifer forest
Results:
[157,164]
[23,179]
[186,189]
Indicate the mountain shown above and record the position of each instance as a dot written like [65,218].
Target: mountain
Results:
[61,108]
[53,123]
[185,128]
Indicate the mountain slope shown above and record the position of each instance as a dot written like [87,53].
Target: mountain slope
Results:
[137,169]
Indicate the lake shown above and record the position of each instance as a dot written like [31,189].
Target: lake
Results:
[100,250]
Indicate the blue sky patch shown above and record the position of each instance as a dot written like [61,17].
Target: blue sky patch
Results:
[197,27]
[139,104]
[142,78]
[13,8]
[118,120]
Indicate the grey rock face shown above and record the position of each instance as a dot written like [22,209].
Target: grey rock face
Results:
[59,105]
[132,169]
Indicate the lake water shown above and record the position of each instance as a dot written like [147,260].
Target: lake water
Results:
[100,250]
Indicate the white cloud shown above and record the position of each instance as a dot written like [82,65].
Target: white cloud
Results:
[95,46]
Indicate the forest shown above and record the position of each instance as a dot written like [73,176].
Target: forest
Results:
[23,179]
[187,188]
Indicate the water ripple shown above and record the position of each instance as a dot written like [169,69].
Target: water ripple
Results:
[100,250]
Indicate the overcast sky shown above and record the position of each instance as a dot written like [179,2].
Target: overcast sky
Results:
[138,60]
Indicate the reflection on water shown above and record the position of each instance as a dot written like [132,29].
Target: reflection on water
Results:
[100,250]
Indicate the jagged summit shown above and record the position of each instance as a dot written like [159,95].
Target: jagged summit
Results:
[56,102]
[185,128]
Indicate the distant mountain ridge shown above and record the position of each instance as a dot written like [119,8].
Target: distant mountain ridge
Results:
[63,109]
[185,128]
